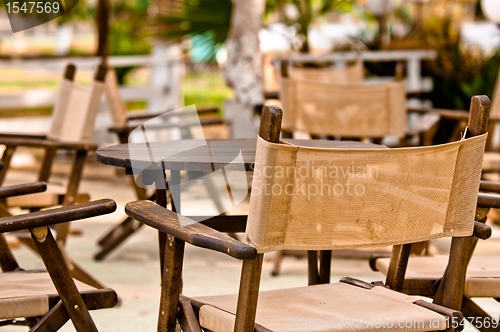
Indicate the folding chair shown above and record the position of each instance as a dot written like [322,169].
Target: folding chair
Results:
[124,123]
[72,128]
[331,102]
[409,195]
[46,300]
[316,103]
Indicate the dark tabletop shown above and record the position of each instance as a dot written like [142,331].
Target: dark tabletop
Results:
[195,155]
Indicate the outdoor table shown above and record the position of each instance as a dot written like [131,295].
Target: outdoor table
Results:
[185,155]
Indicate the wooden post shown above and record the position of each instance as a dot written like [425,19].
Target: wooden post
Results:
[451,288]
[103,14]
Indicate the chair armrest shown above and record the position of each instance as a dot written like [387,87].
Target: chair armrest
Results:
[185,124]
[146,115]
[482,231]
[447,114]
[45,143]
[188,230]
[491,186]
[56,216]
[23,189]
[23,135]
[488,200]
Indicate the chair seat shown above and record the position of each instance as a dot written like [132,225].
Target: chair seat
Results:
[54,195]
[330,307]
[26,293]
[483,272]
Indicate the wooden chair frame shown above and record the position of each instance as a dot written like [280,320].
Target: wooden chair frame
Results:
[51,148]
[174,307]
[68,303]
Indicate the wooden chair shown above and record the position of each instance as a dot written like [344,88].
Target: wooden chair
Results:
[330,102]
[412,194]
[347,110]
[72,128]
[336,102]
[423,273]
[124,123]
[46,300]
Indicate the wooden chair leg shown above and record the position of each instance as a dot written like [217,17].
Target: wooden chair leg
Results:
[248,294]
[187,317]
[278,259]
[113,239]
[50,154]
[483,322]
[325,263]
[59,273]
[71,191]
[6,157]
[397,267]
[7,260]
[171,285]
[53,320]
[312,267]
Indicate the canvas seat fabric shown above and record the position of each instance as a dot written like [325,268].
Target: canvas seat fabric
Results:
[26,293]
[331,307]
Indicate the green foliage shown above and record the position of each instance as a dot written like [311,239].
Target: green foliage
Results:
[81,12]
[129,32]
[454,90]
[206,88]
[206,22]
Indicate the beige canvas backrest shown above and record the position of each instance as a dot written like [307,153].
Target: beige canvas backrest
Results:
[320,199]
[352,74]
[374,110]
[75,111]
[114,101]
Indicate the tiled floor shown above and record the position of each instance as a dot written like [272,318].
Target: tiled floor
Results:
[133,269]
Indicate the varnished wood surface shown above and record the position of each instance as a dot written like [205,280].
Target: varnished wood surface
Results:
[188,155]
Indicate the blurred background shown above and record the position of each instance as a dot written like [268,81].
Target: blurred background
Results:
[189,40]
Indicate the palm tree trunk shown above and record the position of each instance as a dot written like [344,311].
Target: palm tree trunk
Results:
[243,70]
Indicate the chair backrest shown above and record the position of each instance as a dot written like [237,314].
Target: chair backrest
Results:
[114,101]
[347,110]
[349,75]
[76,107]
[321,199]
